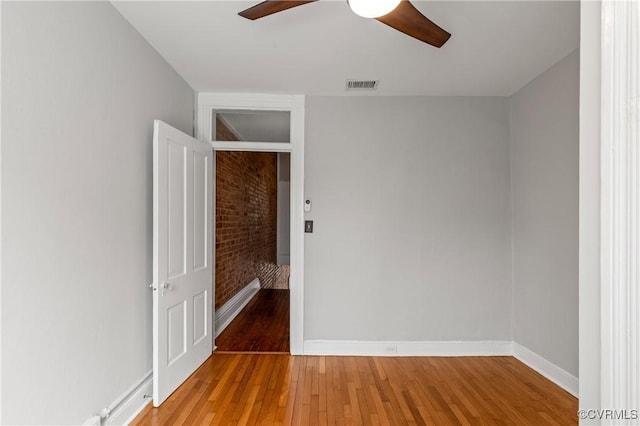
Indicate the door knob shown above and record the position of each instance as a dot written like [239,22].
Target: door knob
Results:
[166,287]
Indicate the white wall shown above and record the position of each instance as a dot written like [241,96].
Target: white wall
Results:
[544,181]
[411,207]
[80,91]
[283,237]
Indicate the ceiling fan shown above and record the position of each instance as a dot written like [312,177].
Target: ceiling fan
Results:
[398,14]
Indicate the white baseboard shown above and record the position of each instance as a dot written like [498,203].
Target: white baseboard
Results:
[125,408]
[93,421]
[393,348]
[131,403]
[557,375]
[232,308]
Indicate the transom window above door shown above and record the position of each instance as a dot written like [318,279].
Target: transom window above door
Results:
[251,125]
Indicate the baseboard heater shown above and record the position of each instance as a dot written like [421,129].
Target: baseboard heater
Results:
[227,312]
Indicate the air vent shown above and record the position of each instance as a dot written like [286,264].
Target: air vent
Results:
[362,84]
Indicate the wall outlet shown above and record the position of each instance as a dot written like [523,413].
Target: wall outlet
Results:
[391,349]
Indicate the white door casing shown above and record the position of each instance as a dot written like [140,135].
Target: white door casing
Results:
[295,104]
[620,210]
[182,257]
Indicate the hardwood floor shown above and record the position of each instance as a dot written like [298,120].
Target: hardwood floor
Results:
[277,389]
[262,326]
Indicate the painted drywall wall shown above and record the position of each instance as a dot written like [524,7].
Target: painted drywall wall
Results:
[544,181]
[283,238]
[411,210]
[80,91]
[589,206]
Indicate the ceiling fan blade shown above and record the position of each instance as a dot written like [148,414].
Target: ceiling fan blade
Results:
[269,7]
[407,19]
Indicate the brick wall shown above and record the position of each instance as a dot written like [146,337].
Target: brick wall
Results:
[246,207]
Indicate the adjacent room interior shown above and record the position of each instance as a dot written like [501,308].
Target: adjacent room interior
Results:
[252,235]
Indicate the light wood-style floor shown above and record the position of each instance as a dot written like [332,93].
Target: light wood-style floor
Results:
[277,389]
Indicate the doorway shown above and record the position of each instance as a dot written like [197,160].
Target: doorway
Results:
[208,103]
[252,248]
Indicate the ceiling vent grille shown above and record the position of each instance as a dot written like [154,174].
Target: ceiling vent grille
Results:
[362,84]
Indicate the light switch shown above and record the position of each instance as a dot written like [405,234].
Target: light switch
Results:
[308,226]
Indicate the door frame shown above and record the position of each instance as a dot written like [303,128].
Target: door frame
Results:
[295,105]
[620,205]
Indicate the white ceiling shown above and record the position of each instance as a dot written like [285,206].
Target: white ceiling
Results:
[495,49]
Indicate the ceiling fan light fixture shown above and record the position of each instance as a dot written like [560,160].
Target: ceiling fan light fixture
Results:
[372,8]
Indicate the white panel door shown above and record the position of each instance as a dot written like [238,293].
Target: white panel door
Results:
[182,257]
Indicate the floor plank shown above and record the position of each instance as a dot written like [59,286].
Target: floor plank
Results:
[279,389]
[262,326]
